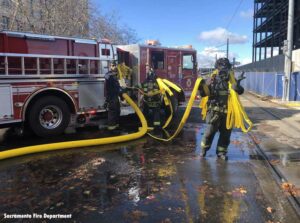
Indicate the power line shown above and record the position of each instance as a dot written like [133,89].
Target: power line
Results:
[234,14]
[220,45]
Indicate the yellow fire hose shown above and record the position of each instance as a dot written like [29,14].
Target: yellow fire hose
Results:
[235,117]
[236,113]
[81,143]
[185,115]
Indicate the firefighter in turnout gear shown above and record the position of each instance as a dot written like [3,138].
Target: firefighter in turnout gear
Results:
[152,100]
[217,90]
[112,88]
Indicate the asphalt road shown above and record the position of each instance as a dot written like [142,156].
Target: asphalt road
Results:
[141,181]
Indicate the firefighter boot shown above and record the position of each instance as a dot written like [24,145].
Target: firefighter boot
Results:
[204,149]
[221,153]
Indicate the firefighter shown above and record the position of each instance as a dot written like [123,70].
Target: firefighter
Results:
[152,100]
[113,89]
[217,90]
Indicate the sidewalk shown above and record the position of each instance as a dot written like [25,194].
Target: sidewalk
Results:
[276,130]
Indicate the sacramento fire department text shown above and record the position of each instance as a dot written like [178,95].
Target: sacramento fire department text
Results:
[37,216]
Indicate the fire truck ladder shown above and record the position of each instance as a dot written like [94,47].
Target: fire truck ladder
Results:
[12,64]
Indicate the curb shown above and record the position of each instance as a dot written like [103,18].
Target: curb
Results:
[274,101]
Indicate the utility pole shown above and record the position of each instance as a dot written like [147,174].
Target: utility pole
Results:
[227,50]
[288,52]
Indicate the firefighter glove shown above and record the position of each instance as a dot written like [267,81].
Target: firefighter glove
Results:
[240,78]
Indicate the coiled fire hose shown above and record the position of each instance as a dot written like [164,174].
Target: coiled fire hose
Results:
[185,115]
[236,115]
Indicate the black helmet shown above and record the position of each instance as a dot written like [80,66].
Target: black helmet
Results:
[151,75]
[223,64]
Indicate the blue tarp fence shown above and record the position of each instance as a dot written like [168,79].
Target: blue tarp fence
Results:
[271,84]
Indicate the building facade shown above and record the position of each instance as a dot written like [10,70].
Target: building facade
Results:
[270,28]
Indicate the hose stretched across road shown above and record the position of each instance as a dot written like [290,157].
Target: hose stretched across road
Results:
[235,118]
[81,143]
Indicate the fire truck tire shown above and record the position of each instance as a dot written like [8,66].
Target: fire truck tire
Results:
[49,116]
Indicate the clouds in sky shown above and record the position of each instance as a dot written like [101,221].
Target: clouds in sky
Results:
[219,36]
[207,57]
[215,37]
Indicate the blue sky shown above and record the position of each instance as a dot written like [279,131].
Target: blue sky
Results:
[205,24]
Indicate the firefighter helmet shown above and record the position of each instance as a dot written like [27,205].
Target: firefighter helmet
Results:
[151,75]
[223,64]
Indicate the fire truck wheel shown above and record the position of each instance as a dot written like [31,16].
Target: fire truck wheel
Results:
[49,116]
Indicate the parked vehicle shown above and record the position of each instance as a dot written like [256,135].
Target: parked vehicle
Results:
[49,82]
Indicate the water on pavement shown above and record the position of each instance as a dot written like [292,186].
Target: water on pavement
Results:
[146,181]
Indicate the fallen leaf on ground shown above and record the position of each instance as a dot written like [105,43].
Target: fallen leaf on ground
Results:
[236,142]
[238,192]
[90,208]
[150,197]
[167,220]
[269,209]
[136,214]
[291,188]
[275,162]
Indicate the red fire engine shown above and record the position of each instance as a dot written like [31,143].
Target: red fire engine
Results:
[175,64]
[51,82]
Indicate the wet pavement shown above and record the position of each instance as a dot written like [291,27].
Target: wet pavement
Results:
[276,134]
[144,181]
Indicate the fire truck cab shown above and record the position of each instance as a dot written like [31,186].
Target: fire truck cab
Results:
[177,64]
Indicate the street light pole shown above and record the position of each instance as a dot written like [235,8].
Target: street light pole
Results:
[288,53]
[227,49]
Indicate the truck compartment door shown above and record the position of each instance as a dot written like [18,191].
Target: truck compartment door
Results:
[91,95]
[6,108]
[173,67]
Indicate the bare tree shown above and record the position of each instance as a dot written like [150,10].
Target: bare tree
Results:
[56,17]
[108,27]
[80,18]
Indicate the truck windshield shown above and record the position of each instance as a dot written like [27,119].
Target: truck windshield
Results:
[188,62]
[157,59]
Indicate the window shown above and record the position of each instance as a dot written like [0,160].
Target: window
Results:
[105,52]
[157,59]
[5,22]
[6,3]
[188,62]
